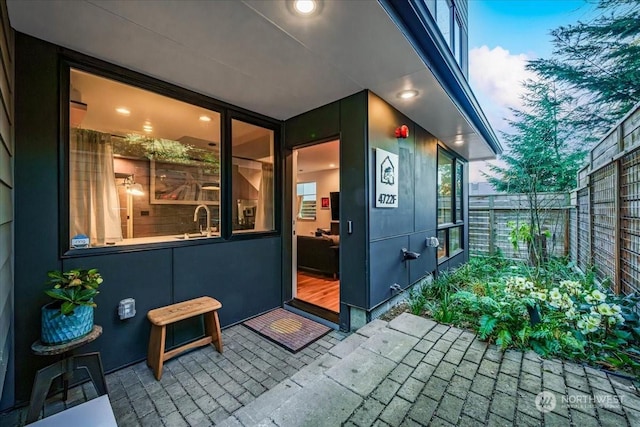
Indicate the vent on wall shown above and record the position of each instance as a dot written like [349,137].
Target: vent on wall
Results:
[77,110]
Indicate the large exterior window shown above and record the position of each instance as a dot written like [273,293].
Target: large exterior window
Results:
[252,177]
[449,19]
[143,167]
[450,204]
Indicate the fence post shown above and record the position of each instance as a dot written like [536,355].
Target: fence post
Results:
[567,230]
[616,235]
[492,217]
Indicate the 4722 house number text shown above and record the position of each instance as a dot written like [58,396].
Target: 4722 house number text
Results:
[387,199]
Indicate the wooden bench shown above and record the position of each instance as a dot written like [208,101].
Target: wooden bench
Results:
[163,316]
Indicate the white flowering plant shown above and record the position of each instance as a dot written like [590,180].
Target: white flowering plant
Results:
[556,313]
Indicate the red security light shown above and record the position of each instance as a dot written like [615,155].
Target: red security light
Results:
[402,132]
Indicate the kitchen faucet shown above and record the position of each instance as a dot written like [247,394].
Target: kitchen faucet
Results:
[195,218]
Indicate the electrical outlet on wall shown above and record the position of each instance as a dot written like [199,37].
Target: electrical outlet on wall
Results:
[127,308]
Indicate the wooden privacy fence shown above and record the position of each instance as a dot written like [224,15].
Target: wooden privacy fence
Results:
[597,225]
[489,218]
[605,216]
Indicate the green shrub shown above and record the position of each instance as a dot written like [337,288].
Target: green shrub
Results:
[574,318]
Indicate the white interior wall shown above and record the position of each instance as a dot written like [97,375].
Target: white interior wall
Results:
[326,182]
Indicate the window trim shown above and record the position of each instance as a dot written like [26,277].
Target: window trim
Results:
[315,202]
[69,59]
[456,161]
[227,195]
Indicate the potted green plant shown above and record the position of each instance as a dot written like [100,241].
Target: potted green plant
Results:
[70,315]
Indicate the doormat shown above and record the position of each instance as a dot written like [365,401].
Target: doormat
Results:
[287,329]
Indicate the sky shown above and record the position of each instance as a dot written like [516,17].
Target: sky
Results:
[503,36]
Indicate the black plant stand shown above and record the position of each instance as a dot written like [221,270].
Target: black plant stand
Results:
[65,367]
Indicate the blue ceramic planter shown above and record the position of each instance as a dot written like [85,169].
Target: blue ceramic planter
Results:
[58,328]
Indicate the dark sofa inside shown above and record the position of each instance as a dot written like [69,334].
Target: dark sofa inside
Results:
[319,254]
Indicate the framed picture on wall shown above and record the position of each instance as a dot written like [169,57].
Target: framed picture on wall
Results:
[183,184]
[324,203]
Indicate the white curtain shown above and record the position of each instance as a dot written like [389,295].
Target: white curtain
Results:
[264,210]
[94,205]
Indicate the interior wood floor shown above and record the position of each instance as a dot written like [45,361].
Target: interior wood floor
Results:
[319,290]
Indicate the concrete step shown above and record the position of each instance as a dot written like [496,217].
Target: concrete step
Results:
[327,392]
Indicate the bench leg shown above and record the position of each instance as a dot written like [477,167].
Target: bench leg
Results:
[155,352]
[212,329]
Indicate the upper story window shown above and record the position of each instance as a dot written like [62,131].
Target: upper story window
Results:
[443,18]
[143,167]
[450,204]
[457,41]
[448,18]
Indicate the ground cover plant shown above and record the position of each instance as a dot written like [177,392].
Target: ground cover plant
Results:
[551,309]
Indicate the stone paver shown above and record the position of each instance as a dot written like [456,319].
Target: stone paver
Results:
[407,372]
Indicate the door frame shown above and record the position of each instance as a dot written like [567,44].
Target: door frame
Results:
[289,253]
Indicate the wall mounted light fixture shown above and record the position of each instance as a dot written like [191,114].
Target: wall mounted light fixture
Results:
[133,188]
[432,242]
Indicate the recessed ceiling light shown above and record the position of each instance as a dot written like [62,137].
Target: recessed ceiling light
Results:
[204,118]
[406,94]
[332,165]
[123,110]
[147,127]
[458,142]
[304,7]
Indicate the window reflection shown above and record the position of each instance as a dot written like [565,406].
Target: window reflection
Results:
[443,18]
[139,164]
[455,240]
[252,177]
[445,187]
[442,239]
[459,190]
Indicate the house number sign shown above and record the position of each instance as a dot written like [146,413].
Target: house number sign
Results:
[386,179]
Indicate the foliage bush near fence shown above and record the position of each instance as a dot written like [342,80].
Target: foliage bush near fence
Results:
[553,310]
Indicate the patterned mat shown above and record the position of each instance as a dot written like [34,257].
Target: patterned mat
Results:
[287,329]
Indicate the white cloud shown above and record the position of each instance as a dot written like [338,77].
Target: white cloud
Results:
[496,77]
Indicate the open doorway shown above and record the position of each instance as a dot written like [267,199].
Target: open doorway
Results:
[316,245]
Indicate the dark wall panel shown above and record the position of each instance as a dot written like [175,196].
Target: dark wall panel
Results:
[383,120]
[426,264]
[314,125]
[353,202]
[244,276]
[457,260]
[36,196]
[144,276]
[425,180]
[388,268]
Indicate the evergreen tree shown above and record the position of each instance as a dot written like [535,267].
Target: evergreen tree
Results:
[544,151]
[599,63]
